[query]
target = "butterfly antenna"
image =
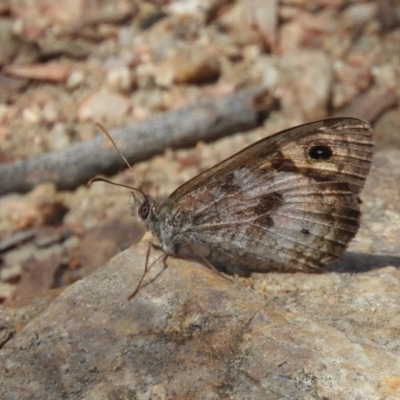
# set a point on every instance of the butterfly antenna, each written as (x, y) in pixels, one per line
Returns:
(105, 131)
(117, 184)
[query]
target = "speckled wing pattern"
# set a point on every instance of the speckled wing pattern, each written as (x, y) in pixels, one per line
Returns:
(288, 202)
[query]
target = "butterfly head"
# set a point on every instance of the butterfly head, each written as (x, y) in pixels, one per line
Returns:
(144, 207)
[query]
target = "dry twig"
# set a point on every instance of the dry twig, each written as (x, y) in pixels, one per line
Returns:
(206, 120)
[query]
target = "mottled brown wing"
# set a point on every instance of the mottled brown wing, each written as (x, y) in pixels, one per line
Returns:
(288, 202)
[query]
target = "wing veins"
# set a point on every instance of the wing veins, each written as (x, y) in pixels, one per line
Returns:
(250, 221)
(294, 241)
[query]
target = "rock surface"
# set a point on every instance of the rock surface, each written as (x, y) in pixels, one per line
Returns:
(193, 334)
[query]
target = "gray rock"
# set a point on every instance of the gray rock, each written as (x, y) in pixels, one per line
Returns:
(191, 334)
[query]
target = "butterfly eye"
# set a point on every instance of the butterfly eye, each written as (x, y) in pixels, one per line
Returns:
(144, 210)
(320, 152)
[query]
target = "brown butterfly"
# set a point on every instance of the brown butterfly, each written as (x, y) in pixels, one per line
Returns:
(288, 202)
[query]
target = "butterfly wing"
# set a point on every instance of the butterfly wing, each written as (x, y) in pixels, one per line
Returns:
(288, 202)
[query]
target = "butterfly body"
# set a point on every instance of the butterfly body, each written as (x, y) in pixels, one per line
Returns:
(288, 202)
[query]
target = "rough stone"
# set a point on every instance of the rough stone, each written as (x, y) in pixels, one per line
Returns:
(190, 333)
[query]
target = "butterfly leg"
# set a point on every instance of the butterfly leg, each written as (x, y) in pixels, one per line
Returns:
(165, 266)
(139, 285)
(212, 268)
(148, 267)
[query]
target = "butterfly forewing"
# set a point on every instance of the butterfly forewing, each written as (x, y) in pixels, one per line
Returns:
(288, 202)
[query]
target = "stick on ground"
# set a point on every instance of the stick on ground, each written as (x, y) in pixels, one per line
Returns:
(208, 119)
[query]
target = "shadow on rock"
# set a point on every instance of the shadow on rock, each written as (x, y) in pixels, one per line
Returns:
(353, 262)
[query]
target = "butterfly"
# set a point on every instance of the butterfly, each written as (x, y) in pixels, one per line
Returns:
(289, 202)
